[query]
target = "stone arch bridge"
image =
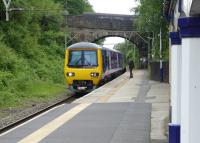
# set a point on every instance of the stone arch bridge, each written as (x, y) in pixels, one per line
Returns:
(94, 26)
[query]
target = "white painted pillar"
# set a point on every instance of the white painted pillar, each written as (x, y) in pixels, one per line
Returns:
(190, 85)
(179, 84)
(174, 126)
(175, 77)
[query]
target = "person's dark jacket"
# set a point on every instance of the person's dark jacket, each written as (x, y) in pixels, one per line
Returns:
(131, 64)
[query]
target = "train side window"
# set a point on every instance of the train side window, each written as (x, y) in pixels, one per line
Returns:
(107, 60)
(113, 60)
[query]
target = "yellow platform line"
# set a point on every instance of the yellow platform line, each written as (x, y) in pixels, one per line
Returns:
(53, 125)
(114, 89)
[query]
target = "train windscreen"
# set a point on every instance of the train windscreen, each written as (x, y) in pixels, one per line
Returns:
(83, 58)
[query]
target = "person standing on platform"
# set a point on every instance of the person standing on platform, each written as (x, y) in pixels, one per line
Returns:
(131, 66)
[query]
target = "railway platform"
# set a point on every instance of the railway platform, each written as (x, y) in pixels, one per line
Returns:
(124, 110)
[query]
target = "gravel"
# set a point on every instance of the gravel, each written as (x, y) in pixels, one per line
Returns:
(15, 115)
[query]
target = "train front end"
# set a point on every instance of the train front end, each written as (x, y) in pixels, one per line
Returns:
(83, 62)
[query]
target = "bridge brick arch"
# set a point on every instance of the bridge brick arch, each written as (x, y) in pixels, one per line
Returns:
(95, 35)
(94, 26)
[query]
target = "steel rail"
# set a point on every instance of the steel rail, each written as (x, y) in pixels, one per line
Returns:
(69, 99)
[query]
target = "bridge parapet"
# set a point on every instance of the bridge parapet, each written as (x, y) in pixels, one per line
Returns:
(101, 21)
(94, 26)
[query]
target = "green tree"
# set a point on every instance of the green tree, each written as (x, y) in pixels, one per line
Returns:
(76, 6)
(149, 19)
(32, 49)
(130, 51)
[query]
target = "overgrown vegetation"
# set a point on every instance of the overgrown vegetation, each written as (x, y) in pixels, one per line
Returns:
(130, 52)
(76, 6)
(32, 49)
(150, 19)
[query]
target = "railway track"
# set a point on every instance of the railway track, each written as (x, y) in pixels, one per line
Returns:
(27, 117)
(68, 100)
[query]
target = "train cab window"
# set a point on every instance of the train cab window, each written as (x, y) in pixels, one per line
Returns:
(83, 58)
(75, 58)
(90, 58)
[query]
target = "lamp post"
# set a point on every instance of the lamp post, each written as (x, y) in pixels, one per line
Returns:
(151, 53)
(161, 62)
(148, 56)
(134, 54)
(153, 50)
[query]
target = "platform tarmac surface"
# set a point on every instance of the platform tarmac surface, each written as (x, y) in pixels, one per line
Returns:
(98, 123)
(119, 112)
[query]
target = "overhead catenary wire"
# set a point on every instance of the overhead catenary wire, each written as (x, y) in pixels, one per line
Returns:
(7, 6)
(33, 9)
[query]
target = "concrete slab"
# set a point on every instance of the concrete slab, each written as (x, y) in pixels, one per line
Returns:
(159, 96)
(121, 89)
(138, 89)
(106, 123)
(22, 131)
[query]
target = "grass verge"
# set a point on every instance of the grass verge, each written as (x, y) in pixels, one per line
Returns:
(35, 92)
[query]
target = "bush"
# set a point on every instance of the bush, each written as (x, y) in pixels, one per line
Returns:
(32, 51)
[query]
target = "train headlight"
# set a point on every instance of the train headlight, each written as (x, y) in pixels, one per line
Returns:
(94, 74)
(70, 74)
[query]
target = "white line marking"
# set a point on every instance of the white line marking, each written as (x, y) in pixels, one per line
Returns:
(30, 120)
(47, 129)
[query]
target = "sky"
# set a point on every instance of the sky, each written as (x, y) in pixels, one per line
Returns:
(114, 7)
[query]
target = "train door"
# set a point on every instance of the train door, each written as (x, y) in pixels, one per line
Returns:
(104, 61)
